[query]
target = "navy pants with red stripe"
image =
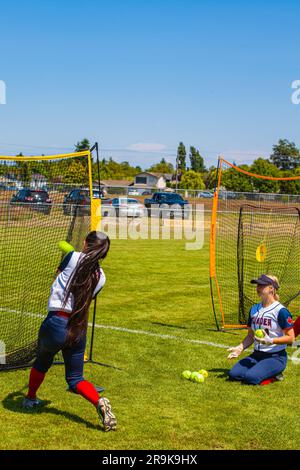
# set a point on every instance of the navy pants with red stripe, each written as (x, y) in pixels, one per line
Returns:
(51, 340)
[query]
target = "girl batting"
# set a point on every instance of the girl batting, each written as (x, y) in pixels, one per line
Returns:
(79, 279)
(269, 358)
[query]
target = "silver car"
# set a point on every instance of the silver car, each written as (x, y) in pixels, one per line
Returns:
(122, 207)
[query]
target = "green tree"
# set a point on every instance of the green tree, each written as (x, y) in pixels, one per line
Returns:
(105, 174)
(260, 166)
(290, 186)
(191, 180)
(210, 178)
(233, 180)
(162, 167)
(76, 173)
(4, 168)
(84, 144)
(110, 169)
(197, 162)
(49, 169)
(181, 157)
(24, 170)
(285, 155)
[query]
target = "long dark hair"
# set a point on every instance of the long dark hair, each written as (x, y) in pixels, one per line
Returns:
(83, 282)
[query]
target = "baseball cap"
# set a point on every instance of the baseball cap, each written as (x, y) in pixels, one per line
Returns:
(265, 280)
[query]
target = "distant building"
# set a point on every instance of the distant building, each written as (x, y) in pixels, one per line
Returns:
(114, 183)
(148, 179)
(109, 187)
(38, 181)
(142, 181)
(8, 182)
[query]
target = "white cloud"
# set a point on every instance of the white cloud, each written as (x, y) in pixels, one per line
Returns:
(146, 147)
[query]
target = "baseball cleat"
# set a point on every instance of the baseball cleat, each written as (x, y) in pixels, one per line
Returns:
(106, 415)
(30, 404)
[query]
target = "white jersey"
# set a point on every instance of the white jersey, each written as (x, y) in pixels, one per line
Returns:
(273, 319)
(67, 267)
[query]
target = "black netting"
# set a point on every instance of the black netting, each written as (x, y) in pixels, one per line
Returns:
(252, 233)
(268, 242)
(29, 255)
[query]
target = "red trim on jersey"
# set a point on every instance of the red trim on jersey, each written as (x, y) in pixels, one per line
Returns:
(63, 314)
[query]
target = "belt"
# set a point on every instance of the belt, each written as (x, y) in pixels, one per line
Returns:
(63, 314)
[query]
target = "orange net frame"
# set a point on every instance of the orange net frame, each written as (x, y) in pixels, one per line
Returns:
(252, 233)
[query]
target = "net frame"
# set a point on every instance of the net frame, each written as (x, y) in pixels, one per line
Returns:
(215, 287)
(256, 230)
(95, 218)
(62, 156)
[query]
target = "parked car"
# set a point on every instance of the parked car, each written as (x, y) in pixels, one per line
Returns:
(252, 196)
(79, 200)
(148, 192)
(232, 195)
(133, 192)
(205, 194)
(8, 187)
(122, 207)
(38, 200)
(169, 204)
(98, 194)
(228, 195)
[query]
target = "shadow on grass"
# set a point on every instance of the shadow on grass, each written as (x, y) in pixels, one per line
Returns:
(227, 332)
(168, 325)
(13, 402)
(220, 373)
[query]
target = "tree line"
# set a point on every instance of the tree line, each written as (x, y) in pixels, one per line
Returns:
(284, 161)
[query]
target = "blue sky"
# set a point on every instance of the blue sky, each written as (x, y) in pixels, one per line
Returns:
(140, 76)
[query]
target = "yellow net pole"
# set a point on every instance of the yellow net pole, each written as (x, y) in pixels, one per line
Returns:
(95, 203)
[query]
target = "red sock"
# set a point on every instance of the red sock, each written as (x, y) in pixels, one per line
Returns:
(297, 327)
(268, 381)
(35, 380)
(88, 391)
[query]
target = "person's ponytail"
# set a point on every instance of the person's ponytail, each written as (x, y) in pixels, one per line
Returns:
(83, 282)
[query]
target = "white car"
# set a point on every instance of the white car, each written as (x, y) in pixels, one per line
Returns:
(133, 192)
(123, 207)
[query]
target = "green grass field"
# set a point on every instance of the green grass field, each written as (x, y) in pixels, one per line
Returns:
(159, 288)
